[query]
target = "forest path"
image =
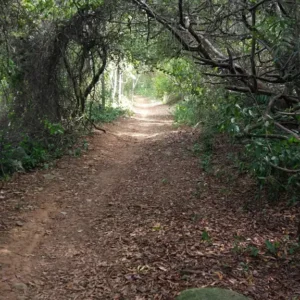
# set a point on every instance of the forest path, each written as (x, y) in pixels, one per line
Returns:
(133, 218)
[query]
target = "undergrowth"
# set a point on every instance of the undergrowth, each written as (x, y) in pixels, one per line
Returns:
(107, 115)
(215, 112)
(29, 152)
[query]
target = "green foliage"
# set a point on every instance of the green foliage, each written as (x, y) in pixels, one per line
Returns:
(43, 97)
(196, 149)
(177, 77)
(187, 112)
(165, 181)
(170, 79)
(48, 9)
(264, 154)
(26, 155)
(107, 115)
(205, 236)
(272, 248)
(145, 85)
(206, 162)
(163, 85)
(236, 115)
(54, 128)
(294, 248)
(201, 106)
(280, 248)
(245, 266)
(240, 115)
(29, 152)
(253, 251)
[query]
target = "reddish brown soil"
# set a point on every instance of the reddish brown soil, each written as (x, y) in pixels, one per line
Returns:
(136, 217)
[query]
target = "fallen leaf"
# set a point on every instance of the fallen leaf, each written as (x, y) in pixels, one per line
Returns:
(220, 275)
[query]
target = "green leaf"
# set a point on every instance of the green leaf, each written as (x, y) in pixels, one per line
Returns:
(271, 247)
(205, 236)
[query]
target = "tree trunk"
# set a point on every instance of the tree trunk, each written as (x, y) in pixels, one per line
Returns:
(115, 83)
(103, 91)
(120, 78)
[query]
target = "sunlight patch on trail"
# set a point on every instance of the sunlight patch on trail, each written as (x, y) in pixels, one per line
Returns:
(143, 108)
(148, 105)
(151, 117)
(158, 123)
(143, 135)
(153, 121)
(5, 251)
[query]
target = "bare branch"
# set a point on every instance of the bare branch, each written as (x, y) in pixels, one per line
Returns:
(295, 135)
(283, 169)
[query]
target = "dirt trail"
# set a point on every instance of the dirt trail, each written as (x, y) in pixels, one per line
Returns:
(77, 201)
(125, 221)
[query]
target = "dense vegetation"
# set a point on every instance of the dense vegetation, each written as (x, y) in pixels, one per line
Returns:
(53, 56)
(233, 65)
(248, 55)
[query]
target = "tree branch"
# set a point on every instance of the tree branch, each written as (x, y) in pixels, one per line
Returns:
(180, 8)
(295, 135)
(283, 169)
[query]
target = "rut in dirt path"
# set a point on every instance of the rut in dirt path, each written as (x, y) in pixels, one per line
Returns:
(136, 218)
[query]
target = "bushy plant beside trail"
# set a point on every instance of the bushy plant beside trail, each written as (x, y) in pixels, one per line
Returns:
(108, 114)
(274, 158)
(274, 161)
(28, 152)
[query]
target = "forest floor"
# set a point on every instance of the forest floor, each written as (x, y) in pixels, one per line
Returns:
(137, 217)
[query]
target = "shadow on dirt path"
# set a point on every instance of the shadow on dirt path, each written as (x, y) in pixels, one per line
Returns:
(126, 221)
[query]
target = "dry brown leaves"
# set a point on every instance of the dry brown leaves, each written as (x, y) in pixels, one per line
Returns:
(137, 218)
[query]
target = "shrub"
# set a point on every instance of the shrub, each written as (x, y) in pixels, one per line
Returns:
(99, 115)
